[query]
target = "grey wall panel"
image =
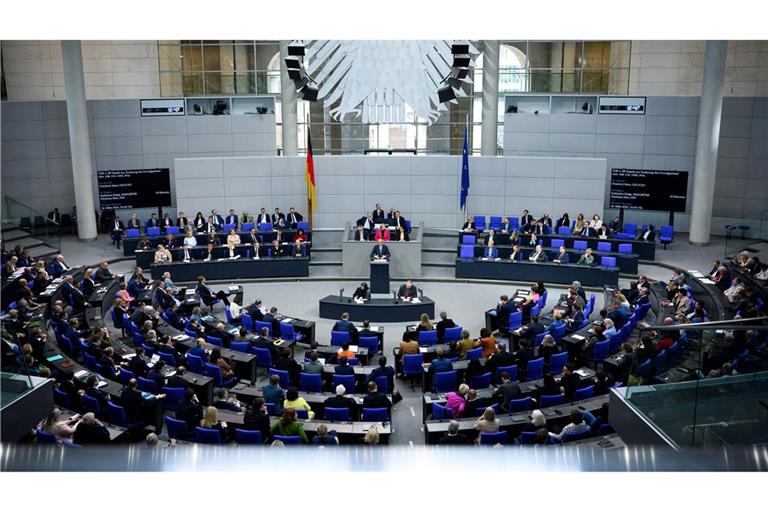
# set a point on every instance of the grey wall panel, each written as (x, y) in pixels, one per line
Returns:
(531, 187)
(251, 204)
(24, 169)
(32, 187)
(397, 201)
(581, 168)
(729, 187)
(527, 142)
(203, 187)
(23, 149)
(621, 125)
(111, 109)
(733, 147)
(340, 184)
(486, 186)
(163, 125)
(572, 142)
(442, 166)
(284, 200)
(61, 186)
(341, 204)
(572, 123)
(385, 185)
(22, 130)
(530, 166)
(21, 111)
(54, 110)
(291, 166)
(586, 206)
(578, 188)
(210, 143)
(758, 169)
(739, 127)
(619, 144)
(124, 127)
(57, 148)
(760, 108)
(732, 167)
(196, 168)
(197, 125)
(446, 186)
(483, 166)
(254, 124)
(56, 129)
(162, 161)
(738, 106)
(233, 167)
(759, 149)
(384, 166)
(164, 144)
(327, 166)
(104, 163)
(515, 204)
(672, 106)
(116, 146)
(253, 142)
(669, 125)
(424, 203)
(669, 145)
(759, 127)
(247, 186)
(753, 207)
(527, 123)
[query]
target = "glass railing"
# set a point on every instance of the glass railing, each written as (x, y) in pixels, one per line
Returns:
(15, 378)
(745, 232)
(38, 225)
(703, 385)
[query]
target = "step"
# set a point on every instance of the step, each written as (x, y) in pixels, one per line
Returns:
(440, 241)
(42, 251)
(28, 242)
(14, 234)
(334, 263)
(325, 249)
(323, 257)
(448, 258)
(439, 272)
(439, 264)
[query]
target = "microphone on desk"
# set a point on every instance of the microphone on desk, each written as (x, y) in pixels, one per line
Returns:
(394, 296)
(421, 293)
(341, 292)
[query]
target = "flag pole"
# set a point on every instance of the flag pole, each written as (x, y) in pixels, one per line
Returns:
(309, 194)
(466, 134)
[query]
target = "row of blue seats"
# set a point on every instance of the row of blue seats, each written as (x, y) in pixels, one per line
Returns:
(556, 243)
(226, 228)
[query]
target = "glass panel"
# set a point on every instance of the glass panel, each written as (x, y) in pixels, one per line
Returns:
(193, 84)
(214, 83)
(597, 54)
(192, 58)
(35, 222)
(596, 80)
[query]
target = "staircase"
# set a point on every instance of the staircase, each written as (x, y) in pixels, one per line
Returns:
(21, 225)
(438, 253)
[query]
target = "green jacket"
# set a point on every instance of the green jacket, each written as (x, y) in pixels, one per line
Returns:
(293, 429)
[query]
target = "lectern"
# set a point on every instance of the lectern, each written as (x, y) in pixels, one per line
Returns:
(379, 276)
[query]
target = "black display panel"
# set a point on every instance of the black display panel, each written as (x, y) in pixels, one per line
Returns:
(134, 188)
(641, 189)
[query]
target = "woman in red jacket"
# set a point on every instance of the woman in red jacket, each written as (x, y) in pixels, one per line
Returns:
(382, 233)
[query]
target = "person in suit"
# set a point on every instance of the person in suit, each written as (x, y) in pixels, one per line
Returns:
(508, 390)
(166, 222)
(118, 228)
(343, 368)
(649, 235)
(407, 291)
(224, 403)
(271, 317)
(79, 300)
(277, 250)
(382, 233)
(93, 391)
(176, 380)
(257, 418)
(376, 399)
(384, 370)
(526, 219)
(344, 325)
(199, 223)
(454, 436)
(153, 221)
(439, 365)
(538, 255)
(562, 256)
(207, 295)
(569, 381)
(263, 217)
(564, 221)
(587, 258)
(516, 254)
(380, 251)
(232, 218)
(399, 222)
(189, 410)
(443, 324)
(546, 222)
(132, 401)
(366, 225)
(490, 252)
(577, 318)
(366, 331)
(181, 221)
(469, 226)
(533, 329)
(339, 401)
(217, 219)
(378, 214)
(503, 310)
(293, 218)
(506, 226)
(524, 354)
(137, 283)
(88, 284)
(274, 394)
(362, 292)
(134, 222)
(90, 431)
(58, 266)
(255, 310)
(137, 365)
(314, 366)
(156, 374)
(54, 216)
(277, 217)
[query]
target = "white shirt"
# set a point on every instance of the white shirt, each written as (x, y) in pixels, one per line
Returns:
(190, 241)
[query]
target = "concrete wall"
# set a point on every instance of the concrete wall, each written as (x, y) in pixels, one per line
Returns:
(424, 188)
(664, 138)
(36, 162)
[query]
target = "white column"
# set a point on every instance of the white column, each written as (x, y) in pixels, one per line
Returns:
(489, 125)
(79, 139)
(707, 142)
(288, 102)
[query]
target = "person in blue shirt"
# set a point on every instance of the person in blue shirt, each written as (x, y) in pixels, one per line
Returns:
(198, 350)
(562, 256)
(137, 283)
(343, 368)
(274, 394)
(344, 325)
(491, 252)
(440, 364)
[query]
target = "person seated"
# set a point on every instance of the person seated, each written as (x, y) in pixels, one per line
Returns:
(439, 365)
(277, 249)
(339, 401)
(576, 426)
(273, 393)
(216, 359)
(516, 254)
(649, 234)
(587, 258)
(524, 354)
(380, 251)
(382, 233)
(408, 346)
(466, 344)
(538, 256)
(144, 244)
(454, 436)
(162, 255)
(375, 399)
(508, 390)
(488, 422)
(407, 291)
(211, 421)
(562, 256)
(207, 296)
(294, 401)
(383, 370)
(469, 226)
(378, 215)
(362, 293)
(233, 240)
(344, 325)
(90, 431)
(490, 252)
(343, 368)
(224, 403)
(578, 228)
(488, 342)
(289, 425)
(548, 348)
(344, 351)
(325, 437)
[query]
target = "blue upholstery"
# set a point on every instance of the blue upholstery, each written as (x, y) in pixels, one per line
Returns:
(427, 338)
(288, 332)
(260, 325)
(440, 412)
(493, 438)
(520, 405)
(348, 381)
(44, 437)
(215, 340)
(600, 351)
(563, 230)
(378, 414)
(445, 382)
(511, 370)
(207, 435)
(263, 357)
(412, 364)
(177, 429)
(625, 248)
(248, 436)
(556, 243)
(132, 233)
(195, 363)
(475, 353)
(534, 369)
(90, 404)
(155, 231)
(453, 334)
(481, 381)
(240, 346)
(311, 382)
(369, 342)
(172, 230)
(303, 225)
(247, 226)
(61, 398)
(495, 223)
(337, 414)
(468, 239)
(284, 376)
(584, 393)
(556, 363)
(227, 227)
(467, 251)
(480, 222)
(214, 372)
(515, 320)
(604, 246)
(608, 261)
(551, 400)
(173, 396)
(580, 245)
(339, 337)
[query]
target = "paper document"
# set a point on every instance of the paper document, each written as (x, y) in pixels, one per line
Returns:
(354, 348)
(578, 337)
(287, 320)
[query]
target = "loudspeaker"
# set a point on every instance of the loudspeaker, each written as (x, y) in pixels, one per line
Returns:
(294, 74)
(309, 92)
(459, 73)
(297, 50)
(292, 63)
(454, 82)
(446, 93)
(461, 61)
(460, 47)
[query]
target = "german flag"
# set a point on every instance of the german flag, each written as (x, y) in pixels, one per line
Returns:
(309, 177)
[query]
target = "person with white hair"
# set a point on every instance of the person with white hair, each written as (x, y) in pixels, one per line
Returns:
(454, 436)
(325, 437)
(610, 328)
(339, 401)
(91, 431)
(488, 422)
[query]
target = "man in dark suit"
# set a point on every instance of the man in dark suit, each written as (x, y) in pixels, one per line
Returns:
(407, 291)
(293, 218)
(508, 390)
(207, 295)
(153, 222)
(55, 216)
(569, 381)
(134, 222)
(277, 216)
(223, 403)
(132, 401)
(58, 266)
(503, 310)
(218, 220)
(232, 218)
(166, 221)
(163, 298)
(380, 251)
(344, 325)
(500, 359)
(254, 311)
(277, 249)
(366, 331)
(190, 410)
(526, 219)
(263, 217)
(562, 256)
(257, 418)
(442, 325)
(339, 401)
(343, 368)
(103, 273)
(90, 431)
(384, 370)
(78, 298)
(93, 391)
(156, 374)
(399, 222)
(271, 317)
(87, 285)
(368, 225)
(533, 329)
(177, 380)
(378, 215)
(375, 399)
(118, 228)
(524, 355)
(137, 365)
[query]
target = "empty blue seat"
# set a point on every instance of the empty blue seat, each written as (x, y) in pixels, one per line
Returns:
(383, 383)
(511, 370)
(494, 222)
(445, 382)
(369, 342)
(195, 363)
(604, 246)
(311, 382)
(263, 357)
(172, 230)
(132, 233)
(240, 346)
(116, 414)
(481, 381)
(247, 226)
(666, 234)
(551, 400)
(377, 414)
(584, 393)
(534, 369)
(248, 436)
(348, 381)
(303, 225)
(177, 429)
(625, 248)
(339, 337)
(412, 364)
(468, 239)
(556, 243)
(337, 414)
(600, 350)
(154, 231)
(515, 320)
(61, 399)
(167, 358)
(207, 435)
(227, 227)
(608, 261)
(475, 353)
(480, 222)
(288, 332)
(467, 251)
(556, 363)
(520, 404)
(427, 338)
(580, 245)
(147, 385)
(453, 334)
(215, 340)
(260, 325)
(493, 438)
(173, 397)
(563, 230)
(302, 414)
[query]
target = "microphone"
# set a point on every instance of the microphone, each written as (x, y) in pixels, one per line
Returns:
(341, 292)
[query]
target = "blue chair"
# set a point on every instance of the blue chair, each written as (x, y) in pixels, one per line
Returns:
(520, 404)
(173, 397)
(260, 325)
(494, 223)
(445, 382)
(177, 429)
(556, 363)
(214, 372)
(468, 239)
(440, 412)
(383, 384)
(90, 404)
(514, 223)
(227, 227)
(247, 321)
(475, 353)
(493, 438)
(302, 414)
(265, 226)
(167, 358)
(263, 357)
(153, 231)
(148, 351)
(339, 337)
(284, 376)
(192, 334)
(172, 230)
(625, 248)
(288, 332)
(215, 340)
(44, 437)
(604, 246)
(600, 351)
(511, 370)
(551, 400)
(138, 338)
(453, 334)
(563, 230)
(378, 414)
(412, 365)
(661, 361)
(467, 252)
(271, 408)
(608, 261)
(116, 414)
(147, 385)
(248, 436)
(132, 233)
(559, 332)
(480, 222)
(247, 226)
(90, 361)
(481, 381)
(337, 414)
(311, 382)
(534, 369)
(207, 435)
(303, 225)
(195, 363)
(427, 338)
(526, 437)
(556, 243)
(288, 439)
(348, 381)
(666, 235)
(369, 342)
(629, 232)
(580, 245)
(614, 343)
(584, 393)
(515, 320)
(240, 346)
(61, 399)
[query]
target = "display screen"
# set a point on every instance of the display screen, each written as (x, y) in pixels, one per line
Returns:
(641, 189)
(134, 188)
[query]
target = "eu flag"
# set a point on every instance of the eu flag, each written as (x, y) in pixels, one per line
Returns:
(464, 174)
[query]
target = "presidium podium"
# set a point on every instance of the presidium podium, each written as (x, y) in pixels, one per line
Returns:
(380, 276)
